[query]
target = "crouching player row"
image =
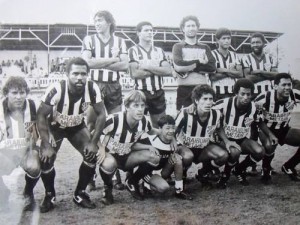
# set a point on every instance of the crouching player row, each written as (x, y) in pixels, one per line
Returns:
(276, 107)
(196, 126)
(18, 135)
(171, 160)
(239, 112)
(131, 143)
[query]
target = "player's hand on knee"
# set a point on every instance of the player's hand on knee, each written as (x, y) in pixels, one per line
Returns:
(174, 158)
(100, 155)
(232, 144)
(47, 154)
(90, 151)
(273, 139)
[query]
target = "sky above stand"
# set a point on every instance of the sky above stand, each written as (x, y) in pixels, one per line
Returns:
(259, 15)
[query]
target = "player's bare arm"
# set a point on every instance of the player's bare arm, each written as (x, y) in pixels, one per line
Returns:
(47, 151)
(137, 73)
(228, 144)
(91, 148)
(140, 146)
(99, 63)
(264, 128)
(121, 65)
(252, 77)
(163, 70)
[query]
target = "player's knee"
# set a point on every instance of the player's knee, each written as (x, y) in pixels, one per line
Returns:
(258, 153)
(31, 164)
(153, 160)
(159, 184)
(234, 156)
(187, 157)
(221, 157)
(109, 165)
(162, 188)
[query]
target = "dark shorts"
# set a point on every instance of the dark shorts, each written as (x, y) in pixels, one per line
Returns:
(121, 160)
(281, 134)
(184, 96)
(239, 141)
(196, 153)
(111, 94)
(162, 163)
(60, 133)
(155, 101)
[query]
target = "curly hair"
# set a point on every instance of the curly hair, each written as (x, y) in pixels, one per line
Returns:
(244, 83)
(16, 82)
(200, 90)
(187, 18)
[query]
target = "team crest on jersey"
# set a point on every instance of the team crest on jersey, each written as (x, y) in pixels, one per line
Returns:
(210, 129)
(29, 126)
(289, 105)
(84, 106)
(248, 121)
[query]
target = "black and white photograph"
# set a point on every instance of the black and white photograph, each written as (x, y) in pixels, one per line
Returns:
(132, 112)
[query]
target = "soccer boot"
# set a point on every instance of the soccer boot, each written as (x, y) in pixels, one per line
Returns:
(291, 172)
(241, 176)
(134, 190)
(222, 182)
(183, 195)
(83, 200)
(48, 202)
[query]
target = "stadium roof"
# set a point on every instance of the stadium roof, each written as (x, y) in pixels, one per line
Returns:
(70, 36)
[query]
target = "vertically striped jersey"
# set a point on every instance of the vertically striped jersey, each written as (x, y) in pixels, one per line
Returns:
(15, 134)
(236, 124)
(122, 136)
(155, 56)
(193, 133)
(266, 63)
(68, 110)
(277, 114)
(225, 85)
(99, 49)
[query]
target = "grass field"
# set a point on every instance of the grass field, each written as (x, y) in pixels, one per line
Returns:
(278, 203)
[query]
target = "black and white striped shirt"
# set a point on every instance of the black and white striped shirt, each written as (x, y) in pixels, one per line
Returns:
(225, 85)
(99, 49)
(121, 136)
(277, 114)
(266, 63)
(69, 111)
(236, 124)
(193, 133)
(155, 56)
